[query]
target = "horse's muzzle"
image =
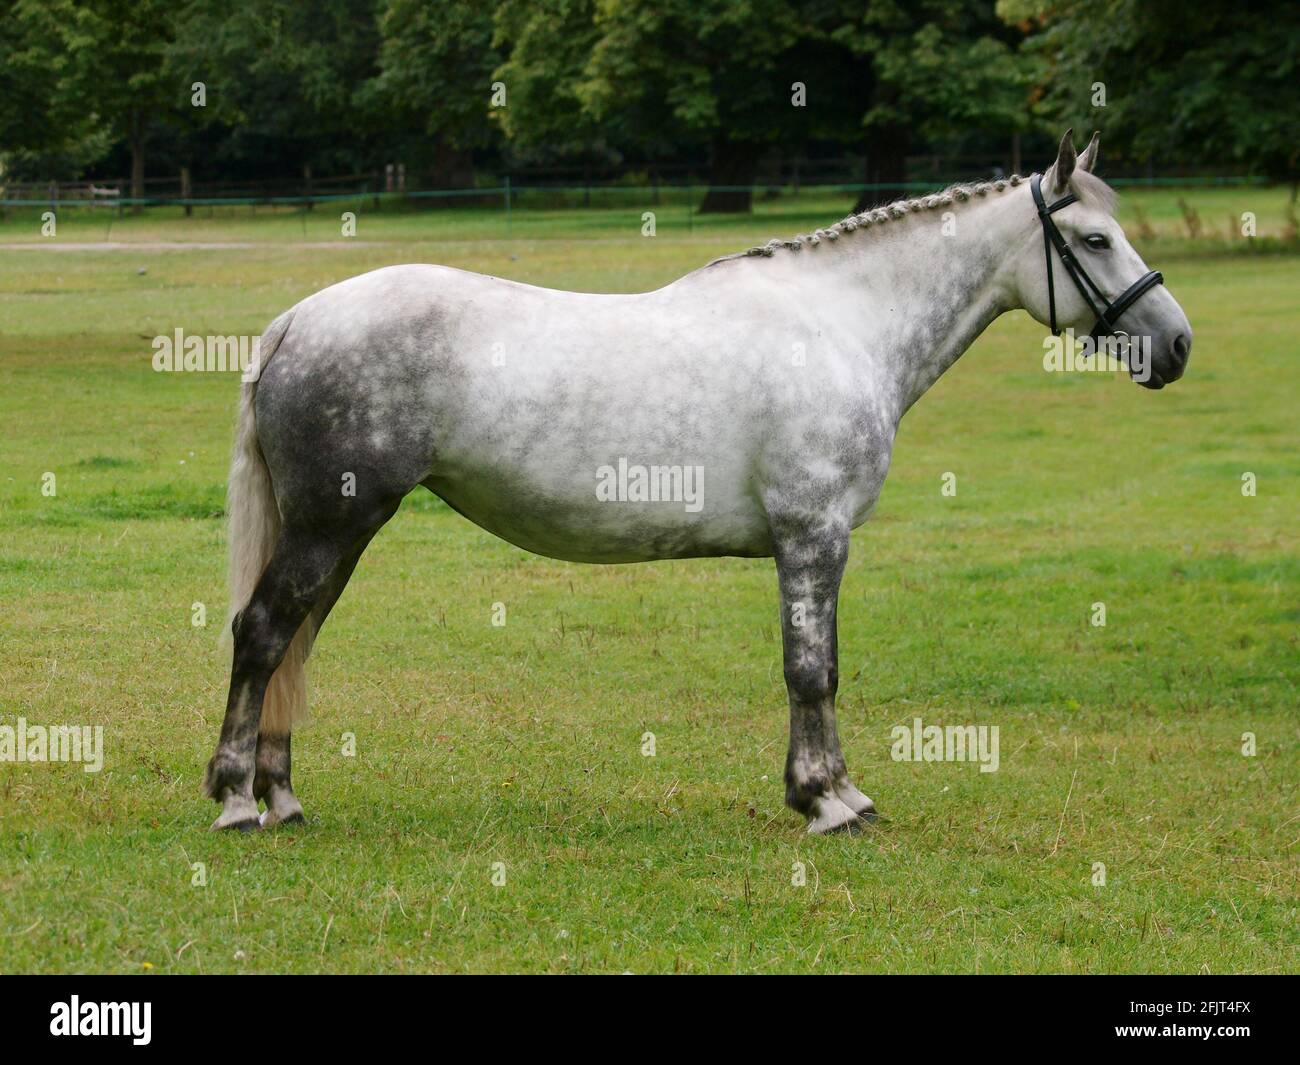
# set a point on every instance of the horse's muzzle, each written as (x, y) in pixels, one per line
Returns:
(1170, 368)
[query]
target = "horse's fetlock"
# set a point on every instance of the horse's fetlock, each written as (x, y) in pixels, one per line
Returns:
(268, 777)
(226, 774)
(803, 790)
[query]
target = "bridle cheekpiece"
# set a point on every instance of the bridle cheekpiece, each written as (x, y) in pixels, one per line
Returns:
(1108, 313)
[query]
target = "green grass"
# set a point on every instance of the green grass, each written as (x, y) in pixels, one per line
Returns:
(522, 744)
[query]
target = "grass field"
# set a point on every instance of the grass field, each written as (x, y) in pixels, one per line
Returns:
(522, 744)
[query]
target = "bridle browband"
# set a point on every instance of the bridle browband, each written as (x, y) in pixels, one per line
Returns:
(1108, 313)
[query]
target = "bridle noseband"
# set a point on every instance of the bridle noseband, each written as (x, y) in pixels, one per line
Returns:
(1108, 313)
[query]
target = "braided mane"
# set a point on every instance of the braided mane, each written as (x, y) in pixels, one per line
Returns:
(958, 193)
(1088, 186)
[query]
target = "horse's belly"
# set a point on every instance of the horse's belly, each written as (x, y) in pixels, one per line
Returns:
(612, 521)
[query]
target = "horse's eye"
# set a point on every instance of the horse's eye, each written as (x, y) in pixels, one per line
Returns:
(1096, 240)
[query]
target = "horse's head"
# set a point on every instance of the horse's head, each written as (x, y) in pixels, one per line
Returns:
(1079, 272)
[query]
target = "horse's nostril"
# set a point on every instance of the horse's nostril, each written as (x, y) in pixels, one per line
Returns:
(1182, 347)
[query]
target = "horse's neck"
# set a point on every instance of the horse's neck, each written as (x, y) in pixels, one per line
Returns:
(927, 292)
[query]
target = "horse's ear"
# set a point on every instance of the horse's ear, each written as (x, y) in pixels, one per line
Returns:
(1088, 160)
(1058, 174)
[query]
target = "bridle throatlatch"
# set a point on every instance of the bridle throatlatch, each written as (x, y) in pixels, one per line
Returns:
(1108, 313)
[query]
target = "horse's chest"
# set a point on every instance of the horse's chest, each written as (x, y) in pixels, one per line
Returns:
(871, 465)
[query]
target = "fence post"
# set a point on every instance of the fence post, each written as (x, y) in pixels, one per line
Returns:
(508, 221)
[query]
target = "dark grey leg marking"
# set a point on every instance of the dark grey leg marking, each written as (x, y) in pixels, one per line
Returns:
(271, 781)
(272, 778)
(306, 573)
(810, 563)
(293, 582)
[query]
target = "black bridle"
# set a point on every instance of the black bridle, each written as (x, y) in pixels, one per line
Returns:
(1108, 313)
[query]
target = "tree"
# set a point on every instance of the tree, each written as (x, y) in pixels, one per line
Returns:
(96, 65)
(717, 71)
(654, 78)
(40, 131)
(285, 81)
(930, 68)
(546, 45)
(436, 67)
(1204, 84)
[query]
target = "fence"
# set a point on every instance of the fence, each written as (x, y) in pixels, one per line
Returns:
(510, 195)
(573, 186)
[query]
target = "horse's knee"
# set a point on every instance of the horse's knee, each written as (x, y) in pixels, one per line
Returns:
(812, 682)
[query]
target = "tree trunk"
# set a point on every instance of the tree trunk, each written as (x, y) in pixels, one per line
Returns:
(453, 167)
(731, 177)
(137, 162)
(886, 167)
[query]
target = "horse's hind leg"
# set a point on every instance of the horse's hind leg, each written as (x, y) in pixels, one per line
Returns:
(306, 573)
(293, 582)
(272, 782)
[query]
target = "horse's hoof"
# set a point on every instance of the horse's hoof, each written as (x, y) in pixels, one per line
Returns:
(831, 816)
(247, 825)
(282, 807)
(854, 799)
(270, 819)
(239, 813)
(865, 820)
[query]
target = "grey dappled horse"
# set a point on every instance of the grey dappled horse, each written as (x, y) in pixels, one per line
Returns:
(780, 373)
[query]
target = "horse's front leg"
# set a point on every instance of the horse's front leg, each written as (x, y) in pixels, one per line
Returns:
(809, 563)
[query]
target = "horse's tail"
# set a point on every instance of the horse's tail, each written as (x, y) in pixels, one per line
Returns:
(254, 525)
